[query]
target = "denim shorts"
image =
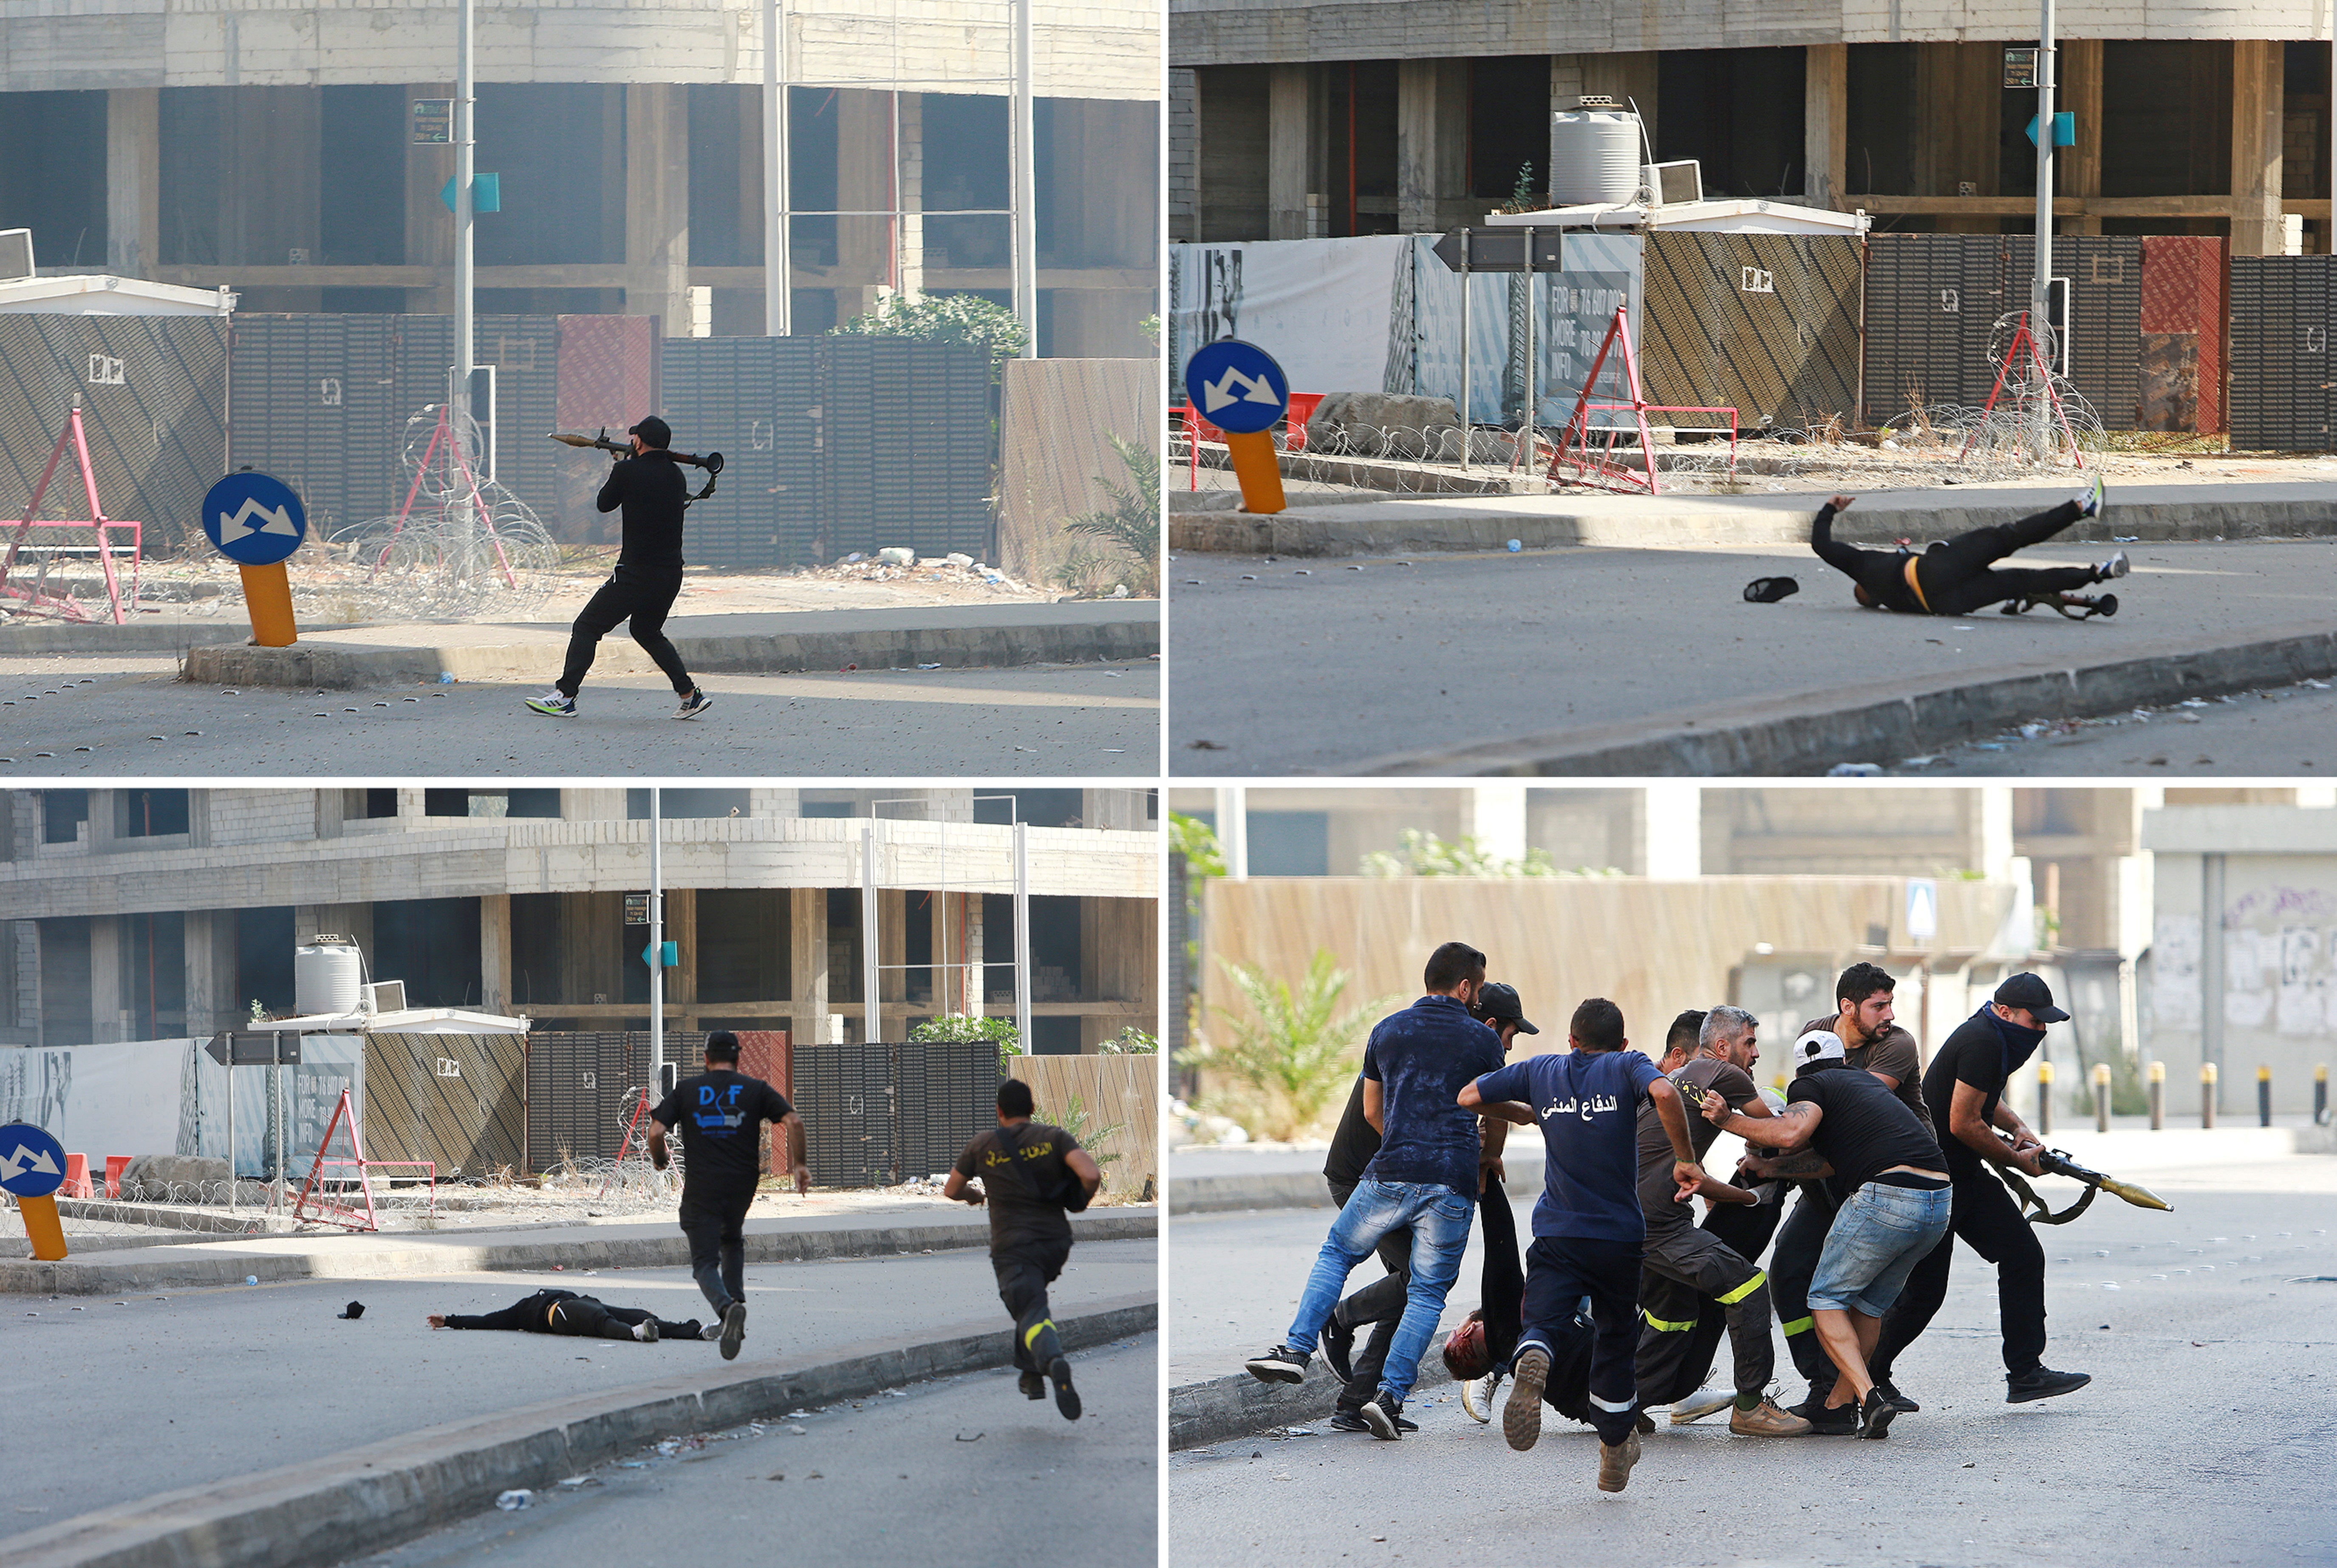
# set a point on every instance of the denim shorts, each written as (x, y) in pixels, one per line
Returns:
(1875, 1242)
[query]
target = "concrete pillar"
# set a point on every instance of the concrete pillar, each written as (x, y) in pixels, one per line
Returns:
(1432, 145)
(495, 953)
(134, 180)
(591, 930)
(2079, 94)
(20, 971)
(1295, 148)
(681, 929)
(1113, 809)
(271, 182)
(1494, 815)
(1184, 157)
(657, 203)
(332, 809)
(864, 183)
(109, 1010)
(892, 951)
(1826, 123)
(1673, 844)
(1629, 77)
(911, 163)
(210, 943)
(1119, 962)
(976, 988)
(1958, 89)
(808, 965)
(1993, 830)
(2257, 79)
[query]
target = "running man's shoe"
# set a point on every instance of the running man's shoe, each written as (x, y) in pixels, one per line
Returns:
(1279, 1365)
(1034, 1386)
(556, 702)
(645, 1331)
(1521, 1417)
(1067, 1398)
(1615, 1462)
(1697, 1406)
(712, 1331)
(1337, 1345)
(692, 705)
(1765, 1420)
(1477, 1396)
(2091, 506)
(2116, 565)
(2041, 1383)
(734, 1330)
(1384, 1413)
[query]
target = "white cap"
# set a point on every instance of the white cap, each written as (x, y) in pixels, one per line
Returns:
(1818, 1045)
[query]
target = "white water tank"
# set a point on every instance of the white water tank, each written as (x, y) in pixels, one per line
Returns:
(1594, 155)
(326, 975)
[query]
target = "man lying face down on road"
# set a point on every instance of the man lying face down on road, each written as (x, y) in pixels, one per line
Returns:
(578, 1317)
(1958, 576)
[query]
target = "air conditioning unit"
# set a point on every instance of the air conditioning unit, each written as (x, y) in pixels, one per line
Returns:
(383, 996)
(1673, 183)
(16, 253)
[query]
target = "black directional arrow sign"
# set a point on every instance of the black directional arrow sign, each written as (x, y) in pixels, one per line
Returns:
(1500, 249)
(254, 1050)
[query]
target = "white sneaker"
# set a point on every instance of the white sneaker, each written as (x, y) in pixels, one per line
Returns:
(1477, 1396)
(555, 703)
(2091, 506)
(1703, 1403)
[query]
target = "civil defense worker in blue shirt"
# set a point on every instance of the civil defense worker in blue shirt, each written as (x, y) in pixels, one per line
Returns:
(1424, 1177)
(1588, 1230)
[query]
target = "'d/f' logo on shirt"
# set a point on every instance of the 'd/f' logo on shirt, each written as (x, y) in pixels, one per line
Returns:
(717, 1112)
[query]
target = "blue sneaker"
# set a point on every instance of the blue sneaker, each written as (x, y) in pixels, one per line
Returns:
(692, 705)
(2091, 506)
(555, 703)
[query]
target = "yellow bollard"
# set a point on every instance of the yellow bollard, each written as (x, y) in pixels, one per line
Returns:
(46, 1231)
(268, 595)
(2044, 1098)
(2101, 1096)
(2206, 1094)
(1258, 468)
(2157, 1097)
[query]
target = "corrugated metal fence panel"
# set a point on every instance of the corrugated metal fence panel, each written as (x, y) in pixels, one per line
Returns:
(1767, 324)
(525, 352)
(845, 1093)
(1917, 347)
(579, 1085)
(452, 1099)
(948, 1092)
(907, 445)
(755, 401)
(2105, 274)
(157, 435)
(2281, 374)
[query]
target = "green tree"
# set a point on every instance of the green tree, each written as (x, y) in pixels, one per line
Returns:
(963, 1026)
(1131, 520)
(1287, 1056)
(1426, 855)
(966, 318)
(1131, 1042)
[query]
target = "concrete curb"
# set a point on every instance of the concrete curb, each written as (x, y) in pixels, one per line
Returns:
(1216, 1194)
(107, 1275)
(1810, 733)
(138, 637)
(370, 1498)
(348, 667)
(1223, 1408)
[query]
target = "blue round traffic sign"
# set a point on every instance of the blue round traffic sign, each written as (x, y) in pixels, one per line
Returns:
(1236, 385)
(31, 1162)
(255, 519)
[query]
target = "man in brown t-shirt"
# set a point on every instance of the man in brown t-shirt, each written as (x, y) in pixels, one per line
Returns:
(1684, 1264)
(1865, 1021)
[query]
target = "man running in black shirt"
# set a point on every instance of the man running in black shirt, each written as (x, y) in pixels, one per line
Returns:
(651, 489)
(1965, 1090)
(720, 1112)
(1958, 576)
(1033, 1176)
(579, 1317)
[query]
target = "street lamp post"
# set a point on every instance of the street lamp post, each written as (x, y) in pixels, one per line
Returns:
(777, 316)
(2040, 287)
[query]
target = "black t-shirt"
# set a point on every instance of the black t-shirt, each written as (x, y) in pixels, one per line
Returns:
(1023, 1178)
(1354, 1144)
(1982, 1052)
(718, 1115)
(1862, 1127)
(651, 491)
(1656, 1188)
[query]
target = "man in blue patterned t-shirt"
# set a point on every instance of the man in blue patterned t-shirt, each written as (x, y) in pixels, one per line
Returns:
(1424, 1177)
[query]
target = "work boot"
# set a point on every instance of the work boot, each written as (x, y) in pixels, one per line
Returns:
(1765, 1420)
(1643, 1422)
(1034, 1386)
(1615, 1462)
(1522, 1416)
(1067, 1398)
(1697, 1406)
(2041, 1383)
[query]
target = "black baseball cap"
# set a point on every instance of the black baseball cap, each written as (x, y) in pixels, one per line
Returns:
(2030, 992)
(1497, 1002)
(653, 431)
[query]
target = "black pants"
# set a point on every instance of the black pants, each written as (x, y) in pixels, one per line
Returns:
(715, 1224)
(1791, 1268)
(1502, 1289)
(642, 594)
(1023, 1275)
(1698, 1282)
(579, 1316)
(1990, 1221)
(1559, 1271)
(1958, 576)
(1379, 1304)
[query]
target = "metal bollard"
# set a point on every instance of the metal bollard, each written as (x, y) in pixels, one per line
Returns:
(2044, 1099)
(2207, 1095)
(2321, 1095)
(2157, 1097)
(2101, 1096)
(2264, 1096)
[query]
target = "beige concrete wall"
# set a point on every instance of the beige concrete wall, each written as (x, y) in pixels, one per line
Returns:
(1121, 1092)
(1057, 419)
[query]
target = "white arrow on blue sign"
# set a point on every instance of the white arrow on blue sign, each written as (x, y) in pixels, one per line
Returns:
(31, 1162)
(1236, 385)
(255, 519)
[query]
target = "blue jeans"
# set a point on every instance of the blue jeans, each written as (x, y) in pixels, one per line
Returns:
(1875, 1242)
(1439, 1218)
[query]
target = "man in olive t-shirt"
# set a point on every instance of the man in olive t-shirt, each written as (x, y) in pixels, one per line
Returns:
(1031, 1172)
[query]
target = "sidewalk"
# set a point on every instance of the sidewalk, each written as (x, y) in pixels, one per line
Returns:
(647, 1244)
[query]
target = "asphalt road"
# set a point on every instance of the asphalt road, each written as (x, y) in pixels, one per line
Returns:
(2288, 730)
(962, 1470)
(172, 1391)
(1315, 667)
(112, 716)
(2203, 1438)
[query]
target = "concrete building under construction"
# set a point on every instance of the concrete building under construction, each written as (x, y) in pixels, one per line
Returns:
(1296, 119)
(276, 148)
(143, 913)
